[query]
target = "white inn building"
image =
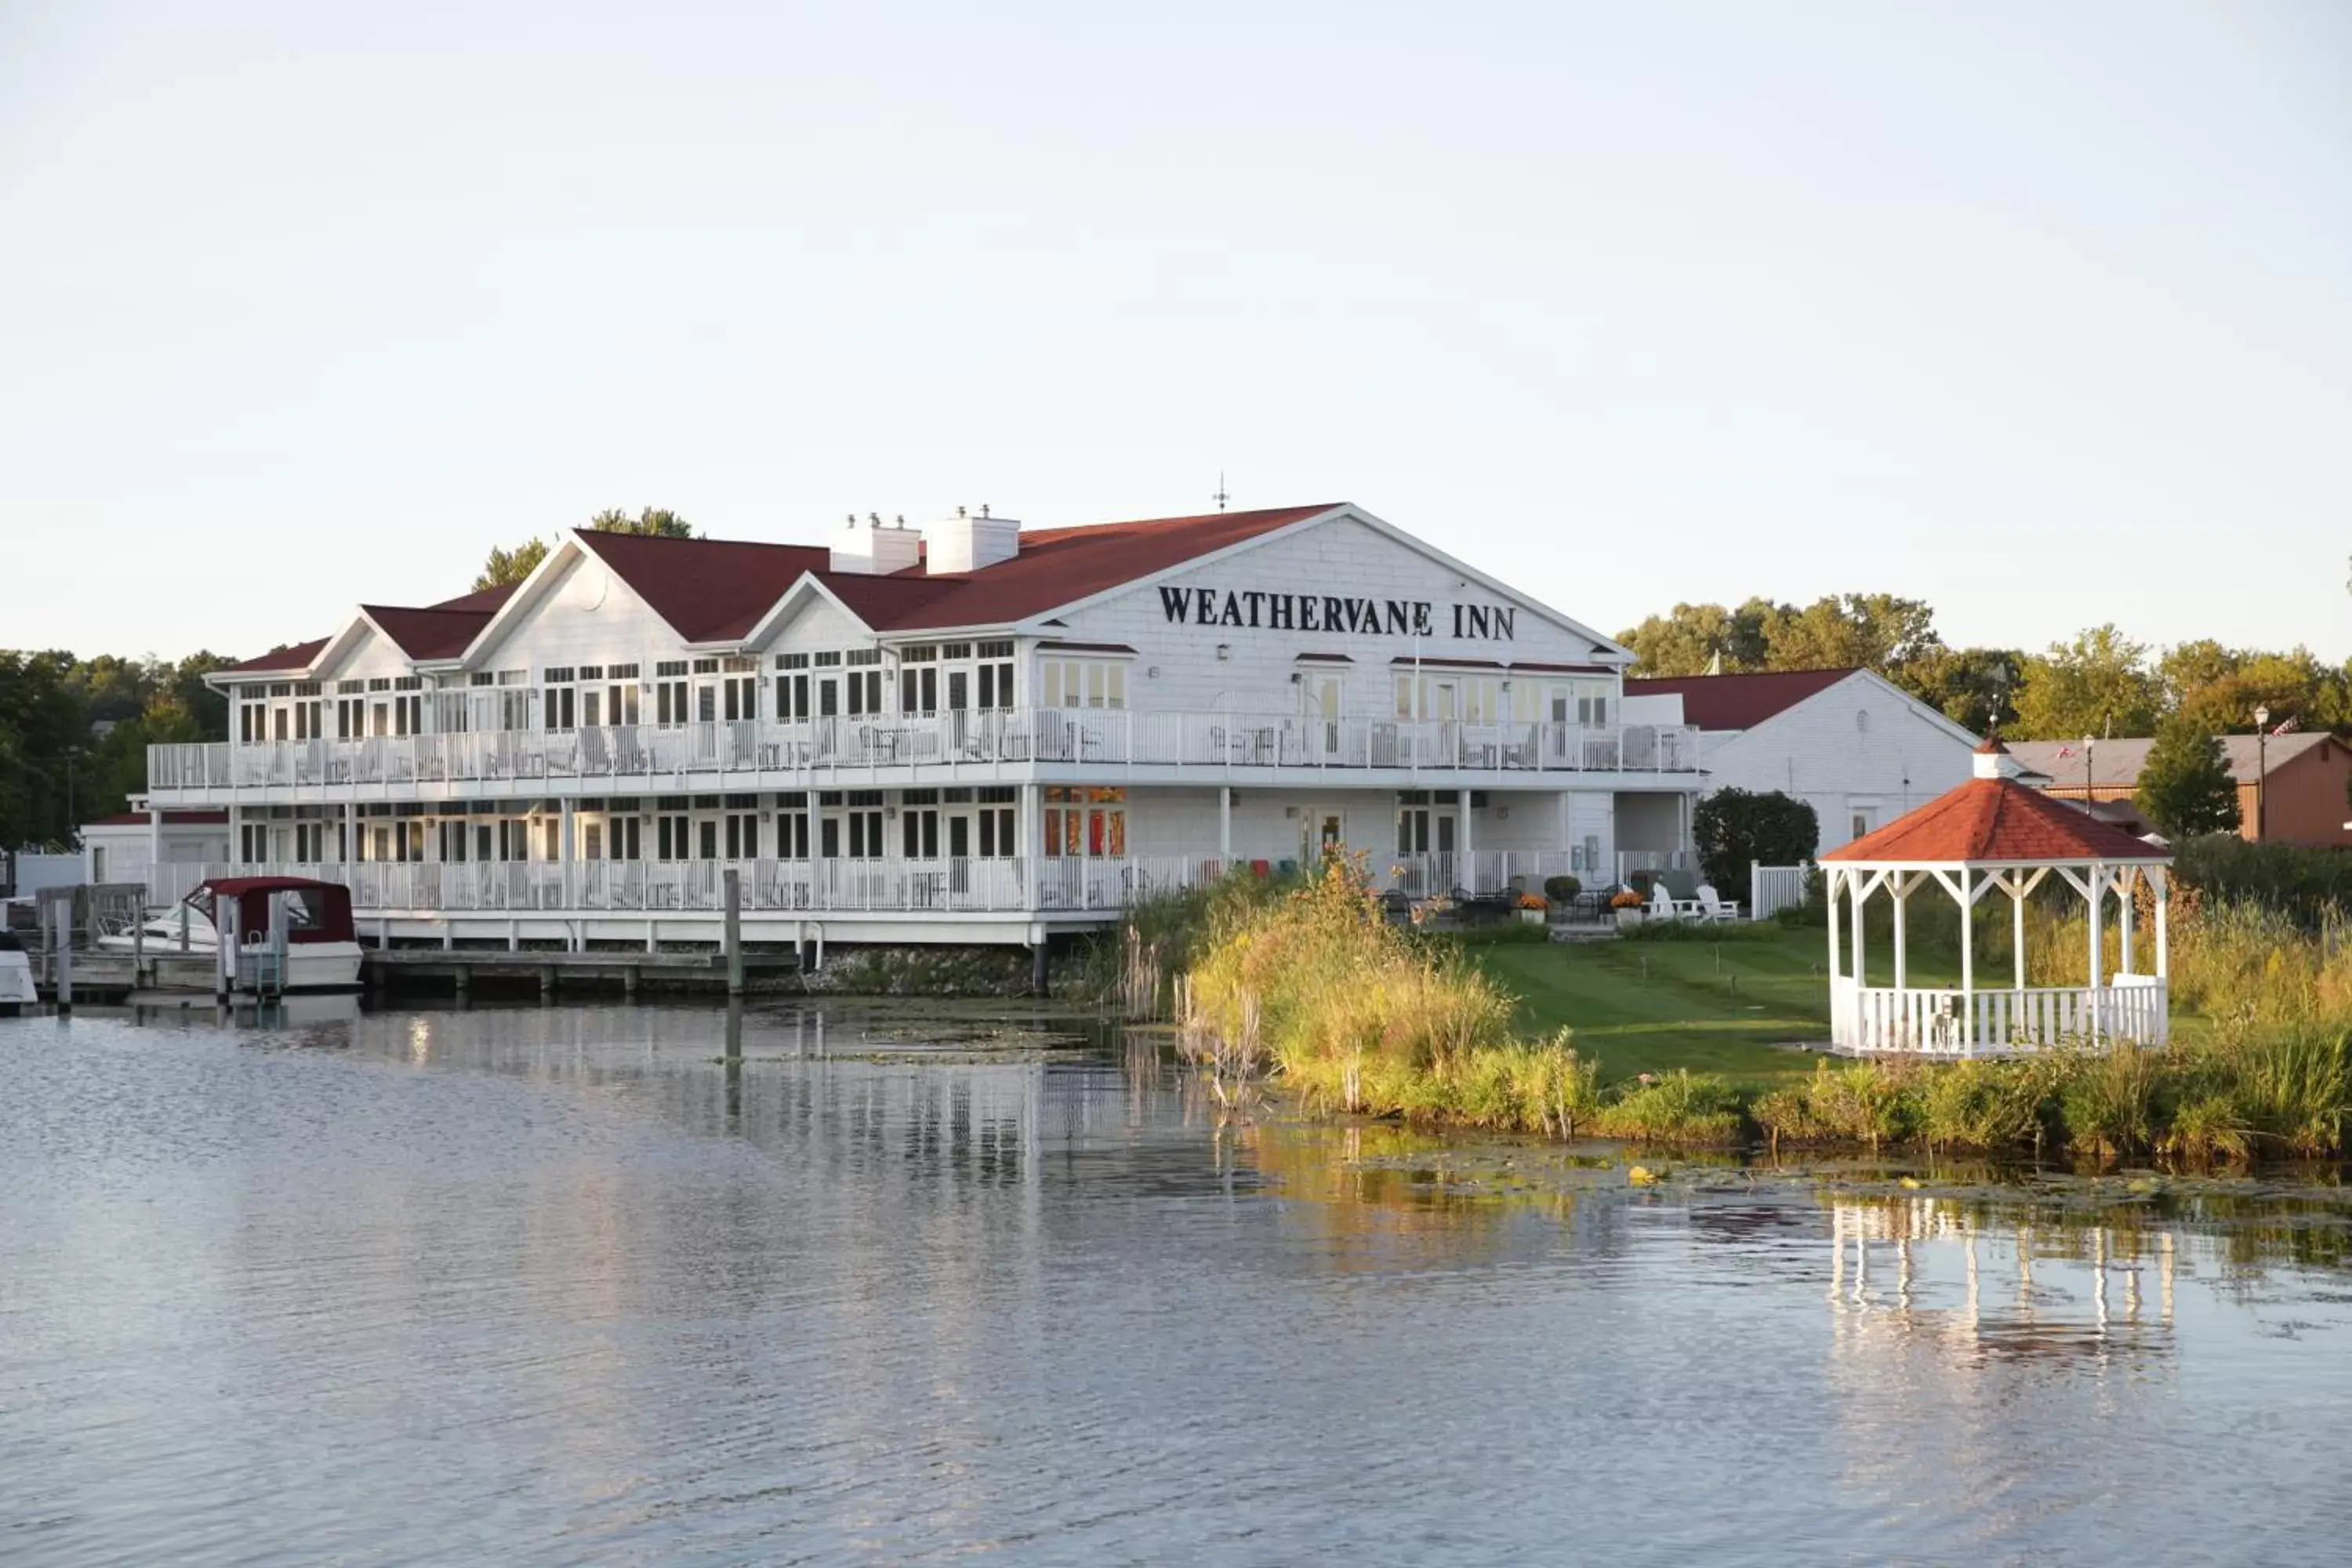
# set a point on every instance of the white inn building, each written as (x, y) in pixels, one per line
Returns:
(966, 732)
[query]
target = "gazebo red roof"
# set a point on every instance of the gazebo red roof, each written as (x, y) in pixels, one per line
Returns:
(1996, 820)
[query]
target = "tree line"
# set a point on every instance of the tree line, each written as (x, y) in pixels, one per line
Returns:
(2098, 683)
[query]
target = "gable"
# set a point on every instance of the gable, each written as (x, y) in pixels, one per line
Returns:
(579, 611)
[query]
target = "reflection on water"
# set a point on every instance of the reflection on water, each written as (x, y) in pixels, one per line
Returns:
(616, 1284)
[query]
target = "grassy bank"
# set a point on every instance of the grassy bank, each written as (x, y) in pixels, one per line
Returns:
(1685, 1041)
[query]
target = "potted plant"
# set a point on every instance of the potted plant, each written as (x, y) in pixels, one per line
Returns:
(1629, 906)
(1533, 909)
(1561, 892)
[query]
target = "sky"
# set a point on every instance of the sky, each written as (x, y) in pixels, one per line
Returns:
(2040, 313)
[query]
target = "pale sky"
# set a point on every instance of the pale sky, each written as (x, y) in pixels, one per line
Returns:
(2041, 313)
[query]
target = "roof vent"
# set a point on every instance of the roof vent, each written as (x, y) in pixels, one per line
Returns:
(876, 549)
(967, 543)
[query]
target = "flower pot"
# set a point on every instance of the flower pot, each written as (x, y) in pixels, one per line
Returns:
(1628, 917)
(1531, 917)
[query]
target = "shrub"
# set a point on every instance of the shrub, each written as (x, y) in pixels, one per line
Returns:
(1869, 1102)
(2107, 1099)
(1559, 889)
(1680, 1107)
(2185, 787)
(1983, 1105)
(1734, 828)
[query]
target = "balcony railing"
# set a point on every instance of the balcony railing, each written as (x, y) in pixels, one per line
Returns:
(648, 755)
(1063, 884)
(1943, 1022)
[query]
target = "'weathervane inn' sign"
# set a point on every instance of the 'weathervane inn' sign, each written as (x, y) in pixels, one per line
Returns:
(1332, 613)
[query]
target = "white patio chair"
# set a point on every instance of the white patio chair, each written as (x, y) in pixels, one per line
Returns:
(1711, 908)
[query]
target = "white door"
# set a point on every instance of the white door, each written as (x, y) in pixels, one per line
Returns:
(1323, 831)
(1322, 696)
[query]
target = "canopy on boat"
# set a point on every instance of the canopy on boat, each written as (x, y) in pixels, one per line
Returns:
(315, 911)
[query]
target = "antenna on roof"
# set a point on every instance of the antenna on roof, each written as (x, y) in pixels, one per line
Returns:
(853, 520)
(1221, 497)
(983, 508)
(874, 518)
(959, 511)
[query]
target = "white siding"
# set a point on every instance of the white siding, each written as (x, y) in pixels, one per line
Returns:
(586, 615)
(1897, 758)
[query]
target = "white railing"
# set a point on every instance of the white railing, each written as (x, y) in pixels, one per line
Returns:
(950, 885)
(1771, 889)
(1950, 1023)
(653, 756)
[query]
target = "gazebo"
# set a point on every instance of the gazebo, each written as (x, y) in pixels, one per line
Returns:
(1994, 835)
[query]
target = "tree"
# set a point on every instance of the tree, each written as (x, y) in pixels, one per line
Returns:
(2185, 787)
(659, 522)
(1860, 631)
(1733, 828)
(505, 567)
(1973, 687)
(2099, 684)
(1692, 638)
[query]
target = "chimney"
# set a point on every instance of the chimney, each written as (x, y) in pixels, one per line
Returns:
(876, 549)
(967, 543)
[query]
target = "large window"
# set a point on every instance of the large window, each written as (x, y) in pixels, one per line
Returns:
(1084, 821)
(995, 675)
(1085, 683)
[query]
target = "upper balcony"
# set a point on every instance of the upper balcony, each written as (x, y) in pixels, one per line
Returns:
(1053, 745)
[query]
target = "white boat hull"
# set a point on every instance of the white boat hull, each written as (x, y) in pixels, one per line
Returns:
(310, 966)
(16, 984)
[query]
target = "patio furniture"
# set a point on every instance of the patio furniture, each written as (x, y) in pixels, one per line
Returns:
(1712, 907)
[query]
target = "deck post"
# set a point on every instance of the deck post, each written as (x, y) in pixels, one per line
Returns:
(1466, 877)
(732, 880)
(1224, 826)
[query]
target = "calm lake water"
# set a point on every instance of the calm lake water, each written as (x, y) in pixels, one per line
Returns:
(557, 1285)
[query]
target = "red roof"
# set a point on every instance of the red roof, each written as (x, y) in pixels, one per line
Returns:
(484, 599)
(1737, 701)
(709, 590)
(428, 634)
(298, 657)
(1997, 820)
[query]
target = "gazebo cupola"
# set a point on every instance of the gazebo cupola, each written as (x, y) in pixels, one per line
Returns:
(1994, 835)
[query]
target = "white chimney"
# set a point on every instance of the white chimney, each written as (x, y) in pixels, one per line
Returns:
(967, 543)
(876, 549)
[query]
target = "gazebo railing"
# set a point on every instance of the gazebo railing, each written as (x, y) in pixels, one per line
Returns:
(1952, 1022)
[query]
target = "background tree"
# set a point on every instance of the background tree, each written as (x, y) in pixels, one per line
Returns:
(505, 567)
(658, 522)
(2098, 684)
(1733, 828)
(1860, 631)
(2185, 787)
(1972, 686)
(1689, 639)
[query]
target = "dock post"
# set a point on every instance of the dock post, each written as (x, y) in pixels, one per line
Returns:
(629, 982)
(465, 973)
(138, 945)
(225, 928)
(546, 983)
(65, 966)
(1037, 967)
(734, 883)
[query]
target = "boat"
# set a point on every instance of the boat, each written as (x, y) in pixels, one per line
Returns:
(321, 952)
(16, 991)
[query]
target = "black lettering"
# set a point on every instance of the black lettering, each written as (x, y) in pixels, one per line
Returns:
(1204, 607)
(1306, 613)
(1254, 596)
(1174, 601)
(1420, 627)
(1368, 618)
(1503, 622)
(1398, 618)
(1457, 620)
(1478, 621)
(1333, 615)
(1233, 616)
(1282, 611)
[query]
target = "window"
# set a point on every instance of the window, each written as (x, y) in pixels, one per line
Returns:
(669, 699)
(865, 691)
(792, 827)
(1085, 683)
(558, 703)
(670, 836)
(998, 837)
(919, 691)
(1083, 821)
(919, 832)
(739, 696)
(793, 697)
(996, 674)
(627, 838)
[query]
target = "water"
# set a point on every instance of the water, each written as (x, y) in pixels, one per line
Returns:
(556, 1286)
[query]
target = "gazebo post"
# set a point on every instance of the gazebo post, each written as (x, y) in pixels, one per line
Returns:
(1968, 963)
(1902, 914)
(1832, 874)
(2124, 880)
(1860, 973)
(2017, 929)
(2098, 896)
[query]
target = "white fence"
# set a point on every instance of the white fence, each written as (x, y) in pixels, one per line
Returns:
(1948, 1023)
(1048, 885)
(1771, 889)
(647, 755)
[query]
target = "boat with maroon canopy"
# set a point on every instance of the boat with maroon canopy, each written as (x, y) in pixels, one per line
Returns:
(322, 948)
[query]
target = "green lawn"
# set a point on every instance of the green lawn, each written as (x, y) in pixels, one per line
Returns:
(1650, 1007)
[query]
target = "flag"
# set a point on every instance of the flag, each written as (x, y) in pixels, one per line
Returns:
(2065, 751)
(2286, 726)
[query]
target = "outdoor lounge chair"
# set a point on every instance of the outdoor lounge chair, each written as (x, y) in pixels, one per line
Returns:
(1714, 908)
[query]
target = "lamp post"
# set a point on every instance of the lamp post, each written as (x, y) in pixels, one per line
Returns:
(2261, 765)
